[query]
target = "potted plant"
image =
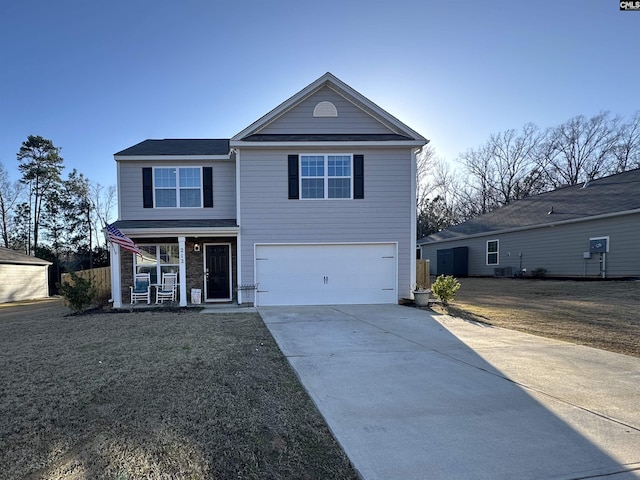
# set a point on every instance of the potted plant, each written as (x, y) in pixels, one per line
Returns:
(421, 293)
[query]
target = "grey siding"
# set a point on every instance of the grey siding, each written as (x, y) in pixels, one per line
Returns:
(130, 195)
(350, 119)
(558, 249)
(23, 282)
(384, 215)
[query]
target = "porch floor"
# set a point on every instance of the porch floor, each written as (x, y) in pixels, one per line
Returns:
(204, 307)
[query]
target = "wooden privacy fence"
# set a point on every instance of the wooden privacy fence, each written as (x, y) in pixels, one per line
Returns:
(100, 277)
(422, 272)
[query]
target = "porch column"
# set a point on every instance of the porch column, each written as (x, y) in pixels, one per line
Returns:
(182, 271)
(116, 291)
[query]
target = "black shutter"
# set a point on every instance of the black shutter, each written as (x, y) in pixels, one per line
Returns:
(207, 187)
(293, 178)
(147, 187)
(358, 176)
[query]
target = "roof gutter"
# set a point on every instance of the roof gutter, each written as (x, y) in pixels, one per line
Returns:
(316, 145)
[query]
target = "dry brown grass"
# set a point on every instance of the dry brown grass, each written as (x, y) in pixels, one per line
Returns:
(601, 314)
(154, 395)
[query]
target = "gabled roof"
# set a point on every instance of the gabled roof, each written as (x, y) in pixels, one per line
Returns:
(402, 131)
(178, 146)
(11, 256)
(615, 194)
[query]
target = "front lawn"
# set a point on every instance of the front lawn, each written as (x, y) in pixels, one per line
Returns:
(600, 314)
(155, 395)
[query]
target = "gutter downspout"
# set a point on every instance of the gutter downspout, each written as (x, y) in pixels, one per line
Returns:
(414, 214)
(236, 151)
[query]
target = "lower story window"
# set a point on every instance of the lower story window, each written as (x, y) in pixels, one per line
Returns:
(156, 260)
(492, 252)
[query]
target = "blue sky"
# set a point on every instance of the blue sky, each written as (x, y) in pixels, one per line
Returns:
(97, 77)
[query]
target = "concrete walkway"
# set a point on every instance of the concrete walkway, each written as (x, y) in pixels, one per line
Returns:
(409, 395)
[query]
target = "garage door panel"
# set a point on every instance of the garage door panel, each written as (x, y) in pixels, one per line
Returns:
(316, 274)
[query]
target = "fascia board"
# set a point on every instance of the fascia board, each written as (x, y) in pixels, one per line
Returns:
(533, 227)
(280, 109)
(320, 145)
(119, 158)
(43, 263)
(368, 106)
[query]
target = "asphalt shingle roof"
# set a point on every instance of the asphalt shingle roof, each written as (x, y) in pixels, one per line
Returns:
(11, 256)
(179, 146)
(608, 195)
(188, 223)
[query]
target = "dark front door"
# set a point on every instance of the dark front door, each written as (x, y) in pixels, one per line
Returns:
(217, 272)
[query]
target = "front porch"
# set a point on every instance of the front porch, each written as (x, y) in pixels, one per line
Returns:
(205, 260)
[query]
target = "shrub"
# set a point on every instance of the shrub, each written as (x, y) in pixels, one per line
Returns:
(539, 272)
(79, 294)
(445, 288)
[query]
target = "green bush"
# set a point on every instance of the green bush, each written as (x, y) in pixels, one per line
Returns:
(79, 294)
(539, 272)
(445, 288)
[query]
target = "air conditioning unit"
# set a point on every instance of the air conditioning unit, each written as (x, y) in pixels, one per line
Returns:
(503, 272)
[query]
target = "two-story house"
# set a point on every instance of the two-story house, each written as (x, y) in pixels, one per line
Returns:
(314, 203)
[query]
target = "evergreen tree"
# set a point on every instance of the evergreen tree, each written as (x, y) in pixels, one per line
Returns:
(41, 166)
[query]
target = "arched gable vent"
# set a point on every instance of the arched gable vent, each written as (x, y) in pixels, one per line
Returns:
(325, 109)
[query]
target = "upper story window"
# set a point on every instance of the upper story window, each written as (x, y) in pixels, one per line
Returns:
(326, 176)
(492, 252)
(177, 187)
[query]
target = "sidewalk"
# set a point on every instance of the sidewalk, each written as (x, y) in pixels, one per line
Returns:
(411, 396)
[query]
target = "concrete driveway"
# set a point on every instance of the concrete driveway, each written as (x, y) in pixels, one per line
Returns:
(410, 395)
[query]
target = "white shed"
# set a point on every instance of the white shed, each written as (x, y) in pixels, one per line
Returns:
(22, 277)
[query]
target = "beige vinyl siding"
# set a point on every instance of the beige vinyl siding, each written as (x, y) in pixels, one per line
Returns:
(130, 195)
(23, 282)
(559, 249)
(384, 215)
(350, 119)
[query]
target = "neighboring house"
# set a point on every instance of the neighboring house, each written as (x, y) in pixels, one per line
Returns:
(588, 230)
(314, 203)
(23, 277)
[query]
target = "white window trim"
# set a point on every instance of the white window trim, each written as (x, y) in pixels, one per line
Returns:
(158, 265)
(177, 187)
(496, 253)
(326, 175)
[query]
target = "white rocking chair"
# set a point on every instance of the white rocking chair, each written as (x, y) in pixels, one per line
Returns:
(167, 290)
(141, 289)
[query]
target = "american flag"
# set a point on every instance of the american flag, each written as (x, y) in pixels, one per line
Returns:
(119, 238)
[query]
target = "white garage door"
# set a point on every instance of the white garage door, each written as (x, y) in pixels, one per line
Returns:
(314, 274)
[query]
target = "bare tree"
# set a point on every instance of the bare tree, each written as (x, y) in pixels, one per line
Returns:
(581, 149)
(103, 200)
(513, 156)
(481, 174)
(9, 195)
(627, 152)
